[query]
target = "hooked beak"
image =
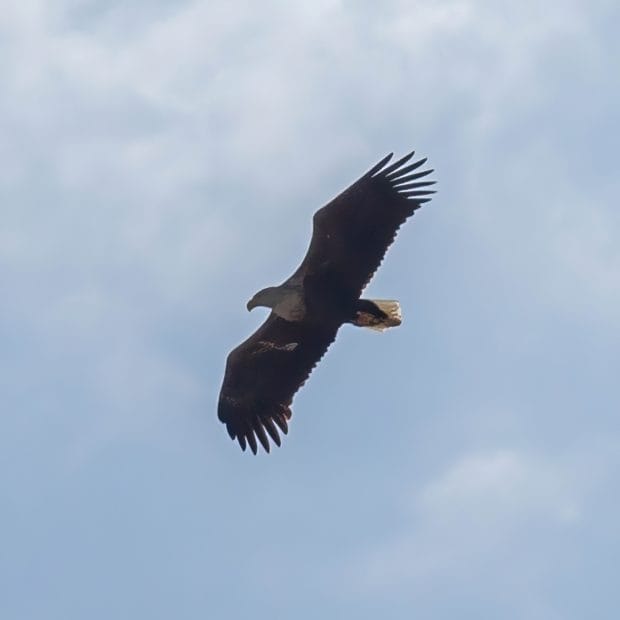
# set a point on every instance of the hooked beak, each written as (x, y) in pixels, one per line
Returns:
(251, 304)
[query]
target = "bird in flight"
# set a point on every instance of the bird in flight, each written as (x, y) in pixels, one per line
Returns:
(350, 237)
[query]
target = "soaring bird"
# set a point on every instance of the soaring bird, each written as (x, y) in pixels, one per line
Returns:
(350, 237)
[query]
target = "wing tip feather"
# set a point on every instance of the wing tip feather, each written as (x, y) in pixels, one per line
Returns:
(378, 166)
(256, 430)
(397, 164)
(402, 179)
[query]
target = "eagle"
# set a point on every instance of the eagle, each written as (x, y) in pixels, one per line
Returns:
(350, 237)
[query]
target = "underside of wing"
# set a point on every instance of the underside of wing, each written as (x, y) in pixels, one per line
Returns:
(352, 233)
(262, 376)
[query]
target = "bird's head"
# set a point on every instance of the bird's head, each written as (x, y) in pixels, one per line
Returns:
(268, 298)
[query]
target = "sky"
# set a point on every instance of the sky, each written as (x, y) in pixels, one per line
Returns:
(160, 163)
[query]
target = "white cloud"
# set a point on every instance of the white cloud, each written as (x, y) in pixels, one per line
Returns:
(136, 144)
(468, 519)
(134, 148)
(501, 483)
(157, 157)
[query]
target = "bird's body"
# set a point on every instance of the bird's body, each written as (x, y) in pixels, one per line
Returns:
(350, 237)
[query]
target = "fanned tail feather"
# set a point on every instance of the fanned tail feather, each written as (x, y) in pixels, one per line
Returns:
(378, 314)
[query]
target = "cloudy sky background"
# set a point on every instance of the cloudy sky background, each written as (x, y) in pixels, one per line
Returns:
(159, 162)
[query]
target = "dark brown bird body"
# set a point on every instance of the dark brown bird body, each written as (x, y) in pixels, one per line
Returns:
(350, 237)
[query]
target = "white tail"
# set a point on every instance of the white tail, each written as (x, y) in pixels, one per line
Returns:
(391, 307)
(368, 318)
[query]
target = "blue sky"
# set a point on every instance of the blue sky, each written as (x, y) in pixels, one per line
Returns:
(159, 163)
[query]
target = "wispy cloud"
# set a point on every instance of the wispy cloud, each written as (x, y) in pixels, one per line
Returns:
(161, 160)
(492, 525)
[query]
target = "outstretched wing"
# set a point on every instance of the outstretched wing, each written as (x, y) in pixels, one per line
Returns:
(264, 373)
(352, 233)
